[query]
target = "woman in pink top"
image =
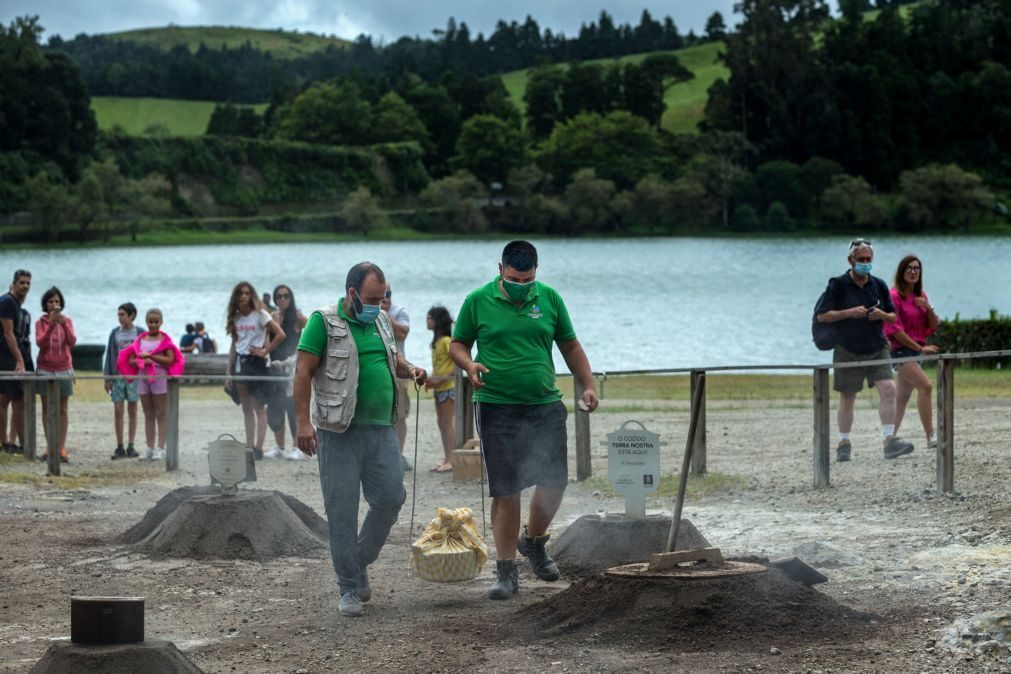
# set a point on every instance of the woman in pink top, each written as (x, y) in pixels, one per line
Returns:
(54, 335)
(915, 320)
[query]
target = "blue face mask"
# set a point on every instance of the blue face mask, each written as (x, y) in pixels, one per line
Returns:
(862, 268)
(364, 313)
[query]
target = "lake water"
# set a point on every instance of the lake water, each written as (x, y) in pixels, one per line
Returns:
(635, 303)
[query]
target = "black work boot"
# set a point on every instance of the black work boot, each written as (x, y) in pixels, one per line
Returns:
(507, 580)
(533, 549)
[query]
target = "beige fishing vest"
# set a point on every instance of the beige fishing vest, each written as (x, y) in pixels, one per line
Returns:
(335, 384)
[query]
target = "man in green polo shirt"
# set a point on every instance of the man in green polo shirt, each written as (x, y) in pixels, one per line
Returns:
(344, 386)
(514, 320)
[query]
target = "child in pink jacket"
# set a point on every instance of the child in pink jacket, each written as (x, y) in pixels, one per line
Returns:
(153, 356)
(54, 335)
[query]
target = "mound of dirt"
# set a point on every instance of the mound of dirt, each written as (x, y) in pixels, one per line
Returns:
(593, 543)
(252, 524)
(735, 613)
(170, 501)
(149, 657)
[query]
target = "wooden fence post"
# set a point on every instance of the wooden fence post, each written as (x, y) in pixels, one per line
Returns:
(52, 413)
(699, 448)
(584, 469)
(946, 424)
(822, 395)
(28, 440)
(172, 434)
(464, 409)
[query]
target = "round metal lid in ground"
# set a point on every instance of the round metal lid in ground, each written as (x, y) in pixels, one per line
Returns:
(727, 569)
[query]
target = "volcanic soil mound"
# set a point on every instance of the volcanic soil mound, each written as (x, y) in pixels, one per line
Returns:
(737, 612)
(200, 523)
(149, 657)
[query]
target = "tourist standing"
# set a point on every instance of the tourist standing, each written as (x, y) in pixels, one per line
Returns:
(187, 343)
(153, 356)
(442, 383)
(123, 393)
(344, 386)
(54, 335)
(401, 322)
(514, 320)
(860, 304)
(292, 321)
(249, 325)
(205, 343)
(915, 321)
(15, 355)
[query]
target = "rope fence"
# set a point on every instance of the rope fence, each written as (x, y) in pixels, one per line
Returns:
(48, 386)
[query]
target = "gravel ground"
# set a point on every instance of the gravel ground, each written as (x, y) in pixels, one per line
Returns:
(917, 560)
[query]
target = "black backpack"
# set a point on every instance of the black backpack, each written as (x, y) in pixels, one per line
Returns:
(825, 335)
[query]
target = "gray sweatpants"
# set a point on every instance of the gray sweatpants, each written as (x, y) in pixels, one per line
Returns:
(369, 457)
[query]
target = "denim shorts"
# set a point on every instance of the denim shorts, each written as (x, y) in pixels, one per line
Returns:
(903, 352)
(124, 391)
(443, 396)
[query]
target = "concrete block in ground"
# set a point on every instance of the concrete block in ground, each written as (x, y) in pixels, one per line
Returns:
(149, 657)
(593, 543)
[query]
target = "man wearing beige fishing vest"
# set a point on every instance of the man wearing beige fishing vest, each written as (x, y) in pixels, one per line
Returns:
(345, 408)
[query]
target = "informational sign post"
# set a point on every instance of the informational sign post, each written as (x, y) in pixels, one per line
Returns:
(230, 463)
(633, 465)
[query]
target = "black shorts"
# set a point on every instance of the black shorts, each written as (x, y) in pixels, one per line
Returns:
(13, 390)
(256, 366)
(524, 445)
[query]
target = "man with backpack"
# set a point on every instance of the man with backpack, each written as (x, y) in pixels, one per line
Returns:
(857, 305)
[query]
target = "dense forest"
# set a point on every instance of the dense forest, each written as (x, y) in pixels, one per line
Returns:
(897, 121)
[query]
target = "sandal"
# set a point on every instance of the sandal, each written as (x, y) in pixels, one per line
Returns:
(441, 468)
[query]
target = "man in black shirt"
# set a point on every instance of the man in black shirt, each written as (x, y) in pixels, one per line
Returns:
(859, 304)
(12, 330)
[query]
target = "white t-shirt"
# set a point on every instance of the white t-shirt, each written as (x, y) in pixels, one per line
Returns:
(250, 331)
(399, 314)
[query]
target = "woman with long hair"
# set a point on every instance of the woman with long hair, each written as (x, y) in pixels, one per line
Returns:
(442, 382)
(915, 321)
(54, 335)
(292, 321)
(254, 335)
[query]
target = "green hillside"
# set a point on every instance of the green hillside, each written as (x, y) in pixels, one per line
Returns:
(685, 102)
(280, 43)
(138, 116)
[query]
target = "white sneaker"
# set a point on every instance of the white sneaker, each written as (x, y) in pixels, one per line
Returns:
(159, 454)
(275, 453)
(294, 454)
(149, 454)
(932, 441)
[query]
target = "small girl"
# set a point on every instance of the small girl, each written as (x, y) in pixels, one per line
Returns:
(154, 354)
(442, 383)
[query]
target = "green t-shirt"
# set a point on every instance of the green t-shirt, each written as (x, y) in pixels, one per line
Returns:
(375, 383)
(514, 343)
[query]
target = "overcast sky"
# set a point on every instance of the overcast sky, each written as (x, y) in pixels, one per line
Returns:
(383, 19)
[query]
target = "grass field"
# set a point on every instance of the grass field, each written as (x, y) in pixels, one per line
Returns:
(282, 44)
(685, 102)
(137, 116)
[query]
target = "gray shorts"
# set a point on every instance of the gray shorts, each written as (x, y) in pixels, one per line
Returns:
(851, 379)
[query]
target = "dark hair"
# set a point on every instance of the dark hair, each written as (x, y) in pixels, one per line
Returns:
(128, 307)
(52, 292)
(198, 326)
(291, 313)
(19, 273)
(358, 273)
(520, 255)
(443, 323)
(234, 309)
(190, 328)
(900, 280)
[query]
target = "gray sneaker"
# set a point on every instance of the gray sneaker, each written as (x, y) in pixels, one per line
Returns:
(364, 590)
(507, 580)
(351, 605)
(896, 446)
(537, 555)
(842, 452)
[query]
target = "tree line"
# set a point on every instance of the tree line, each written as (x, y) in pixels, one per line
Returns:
(114, 67)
